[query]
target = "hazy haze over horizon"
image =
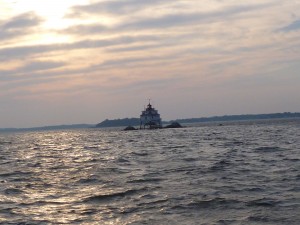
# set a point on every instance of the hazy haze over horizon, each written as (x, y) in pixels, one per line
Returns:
(83, 61)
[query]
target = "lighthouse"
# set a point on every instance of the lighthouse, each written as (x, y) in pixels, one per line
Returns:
(150, 118)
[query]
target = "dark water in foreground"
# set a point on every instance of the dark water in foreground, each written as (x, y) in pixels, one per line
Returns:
(241, 173)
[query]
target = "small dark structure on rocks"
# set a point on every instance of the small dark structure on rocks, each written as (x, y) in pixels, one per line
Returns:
(173, 125)
(130, 128)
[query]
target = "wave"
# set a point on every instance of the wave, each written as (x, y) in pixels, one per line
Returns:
(110, 196)
(220, 165)
(263, 202)
(239, 175)
(145, 180)
(268, 149)
(258, 218)
(140, 153)
(13, 191)
(209, 203)
(41, 203)
(5, 142)
(174, 146)
(15, 173)
(88, 180)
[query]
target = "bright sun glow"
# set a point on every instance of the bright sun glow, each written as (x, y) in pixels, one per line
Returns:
(52, 12)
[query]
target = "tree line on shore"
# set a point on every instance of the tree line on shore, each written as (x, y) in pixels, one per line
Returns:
(136, 121)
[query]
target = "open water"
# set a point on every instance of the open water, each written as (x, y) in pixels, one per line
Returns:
(238, 173)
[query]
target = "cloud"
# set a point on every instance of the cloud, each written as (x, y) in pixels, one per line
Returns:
(129, 61)
(20, 52)
(19, 25)
(145, 85)
(29, 68)
(114, 7)
(135, 48)
(85, 29)
(165, 21)
(40, 65)
(191, 18)
(294, 26)
(172, 18)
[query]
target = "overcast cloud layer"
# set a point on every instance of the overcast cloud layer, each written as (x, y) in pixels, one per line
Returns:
(83, 63)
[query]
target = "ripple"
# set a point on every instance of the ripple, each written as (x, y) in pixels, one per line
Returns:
(268, 149)
(111, 196)
(233, 174)
(208, 204)
(13, 191)
(220, 165)
(263, 202)
(145, 180)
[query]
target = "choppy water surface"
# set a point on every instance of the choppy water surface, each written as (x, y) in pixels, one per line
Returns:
(240, 173)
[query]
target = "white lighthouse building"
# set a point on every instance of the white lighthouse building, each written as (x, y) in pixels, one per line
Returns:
(150, 118)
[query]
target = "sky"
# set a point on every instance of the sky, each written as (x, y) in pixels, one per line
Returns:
(83, 61)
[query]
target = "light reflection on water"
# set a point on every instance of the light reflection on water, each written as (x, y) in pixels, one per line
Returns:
(234, 174)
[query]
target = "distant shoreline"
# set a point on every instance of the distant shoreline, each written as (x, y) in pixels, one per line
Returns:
(58, 127)
(135, 121)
